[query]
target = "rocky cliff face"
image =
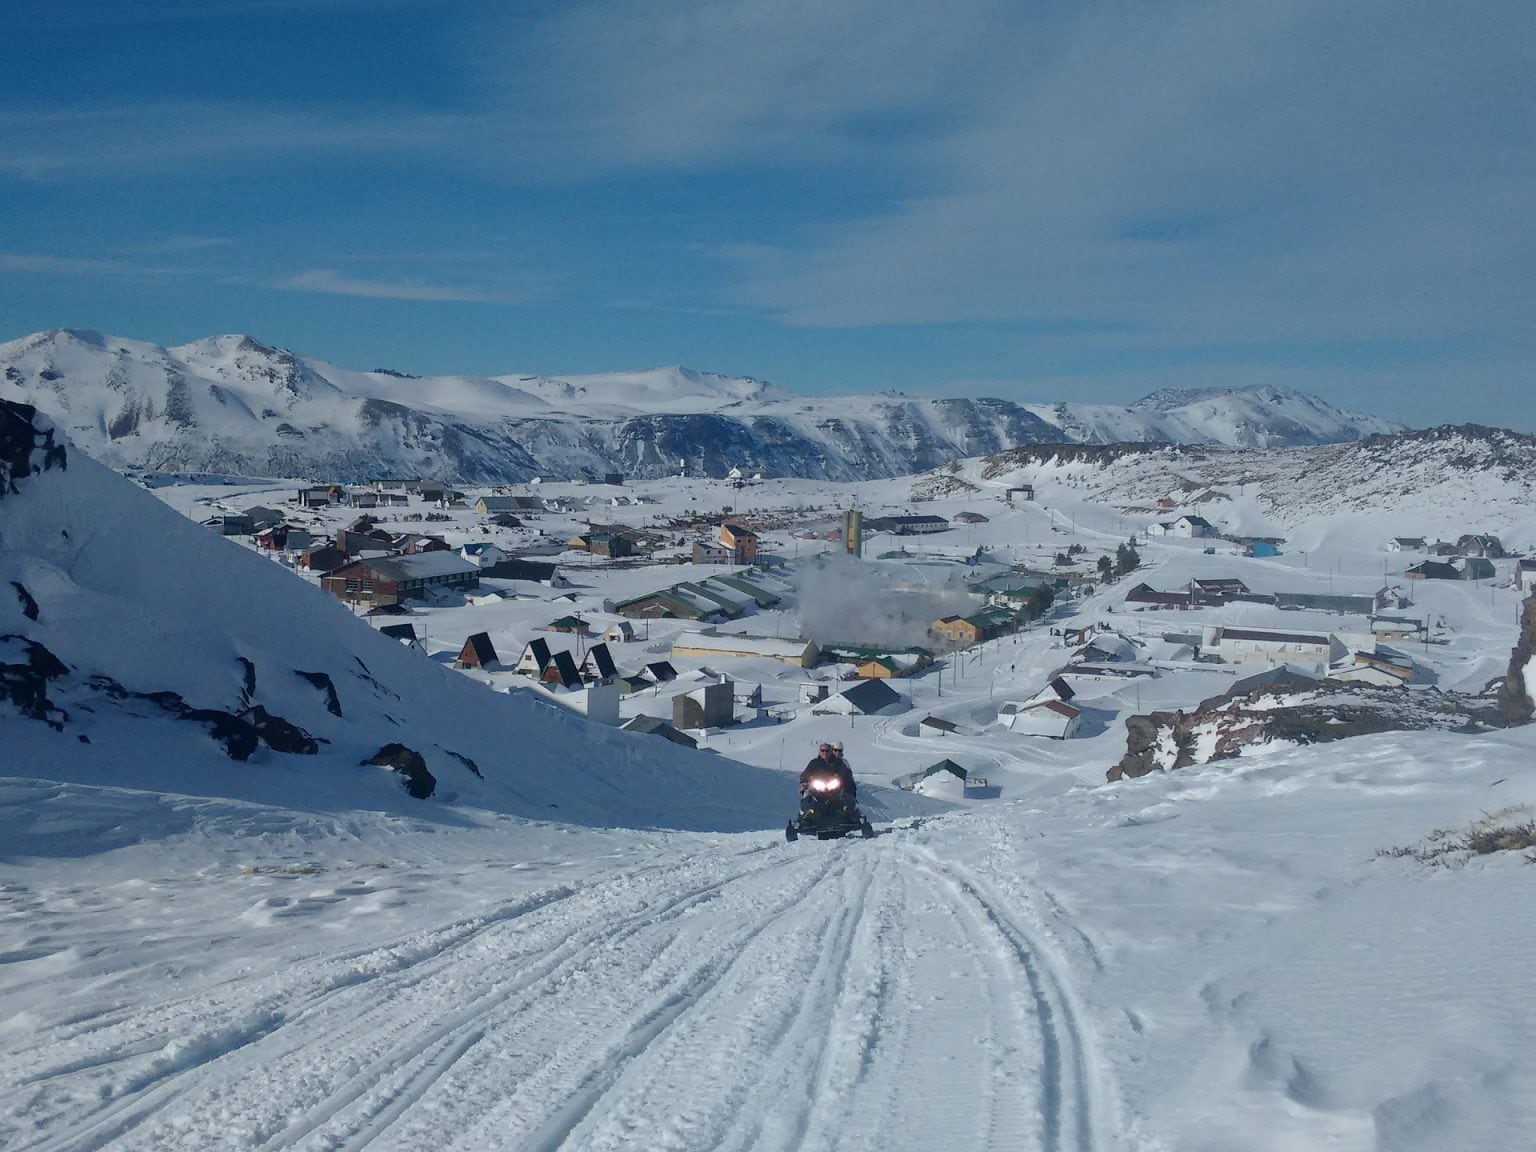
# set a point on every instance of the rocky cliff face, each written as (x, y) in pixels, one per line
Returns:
(1296, 709)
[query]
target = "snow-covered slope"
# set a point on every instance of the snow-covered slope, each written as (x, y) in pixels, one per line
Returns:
(232, 404)
(1436, 483)
(135, 647)
(1262, 417)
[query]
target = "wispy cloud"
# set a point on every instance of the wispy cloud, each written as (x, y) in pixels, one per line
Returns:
(329, 282)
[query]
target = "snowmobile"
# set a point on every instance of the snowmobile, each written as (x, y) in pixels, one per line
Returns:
(827, 812)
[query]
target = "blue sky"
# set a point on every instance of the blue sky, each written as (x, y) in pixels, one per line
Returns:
(1042, 201)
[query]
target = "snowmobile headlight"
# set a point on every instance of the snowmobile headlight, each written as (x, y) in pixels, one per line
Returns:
(825, 784)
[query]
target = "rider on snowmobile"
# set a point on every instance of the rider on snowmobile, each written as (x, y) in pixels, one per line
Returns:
(828, 763)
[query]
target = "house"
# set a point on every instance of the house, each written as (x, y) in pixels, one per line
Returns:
(322, 558)
(659, 672)
(906, 525)
(651, 726)
(942, 781)
(710, 706)
(263, 517)
(478, 652)
(614, 545)
(755, 592)
(976, 628)
(705, 552)
(796, 653)
(1396, 627)
(488, 504)
(1406, 544)
(572, 624)
(1234, 645)
(1055, 719)
(363, 499)
(621, 633)
(597, 664)
(284, 537)
(866, 698)
(533, 659)
(742, 543)
(1379, 668)
(317, 497)
(969, 518)
(482, 555)
(601, 703)
(1524, 570)
(504, 520)
(561, 671)
(1324, 602)
(935, 727)
(1479, 544)
(360, 537)
(659, 606)
(614, 479)
(391, 579)
(534, 571)
(1474, 568)
(890, 665)
(812, 693)
(231, 524)
(414, 544)
(1431, 570)
(405, 634)
(1146, 594)
(1216, 591)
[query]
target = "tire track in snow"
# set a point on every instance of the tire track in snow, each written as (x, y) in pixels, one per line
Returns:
(343, 1001)
(1069, 1088)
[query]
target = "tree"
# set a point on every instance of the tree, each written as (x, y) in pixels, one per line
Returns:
(1126, 559)
(1106, 568)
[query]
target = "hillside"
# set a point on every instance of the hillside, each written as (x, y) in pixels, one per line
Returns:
(140, 650)
(232, 404)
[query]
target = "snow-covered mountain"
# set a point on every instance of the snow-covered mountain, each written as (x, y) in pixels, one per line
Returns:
(140, 650)
(232, 404)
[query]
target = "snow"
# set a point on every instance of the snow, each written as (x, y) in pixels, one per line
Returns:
(605, 943)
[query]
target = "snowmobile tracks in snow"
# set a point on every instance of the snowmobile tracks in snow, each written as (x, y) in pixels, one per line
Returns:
(761, 1000)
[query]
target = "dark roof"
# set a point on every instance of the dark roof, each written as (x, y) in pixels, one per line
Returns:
(400, 632)
(601, 659)
(565, 670)
(942, 725)
(870, 695)
(478, 651)
(515, 568)
(944, 766)
(539, 647)
(661, 671)
(654, 727)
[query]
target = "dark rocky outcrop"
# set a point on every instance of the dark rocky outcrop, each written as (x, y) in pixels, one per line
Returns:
(419, 782)
(1290, 710)
(322, 681)
(1514, 700)
(24, 682)
(278, 734)
(28, 604)
(466, 761)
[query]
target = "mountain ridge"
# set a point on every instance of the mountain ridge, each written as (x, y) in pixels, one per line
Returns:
(232, 403)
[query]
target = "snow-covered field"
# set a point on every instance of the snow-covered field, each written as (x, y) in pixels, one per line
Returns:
(196, 954)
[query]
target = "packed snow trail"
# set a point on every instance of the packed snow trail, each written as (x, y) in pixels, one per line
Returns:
(856, 995)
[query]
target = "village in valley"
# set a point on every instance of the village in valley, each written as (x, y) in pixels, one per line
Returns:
(964, 633)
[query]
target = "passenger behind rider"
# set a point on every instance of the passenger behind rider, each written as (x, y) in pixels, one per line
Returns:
(829, 761)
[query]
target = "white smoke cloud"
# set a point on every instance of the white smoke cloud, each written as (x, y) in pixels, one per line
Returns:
(844, 600)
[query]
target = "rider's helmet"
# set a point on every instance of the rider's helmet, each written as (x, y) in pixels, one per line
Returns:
(837, 746)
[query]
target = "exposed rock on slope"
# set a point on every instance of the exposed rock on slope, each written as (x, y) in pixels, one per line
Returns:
(189, 665)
